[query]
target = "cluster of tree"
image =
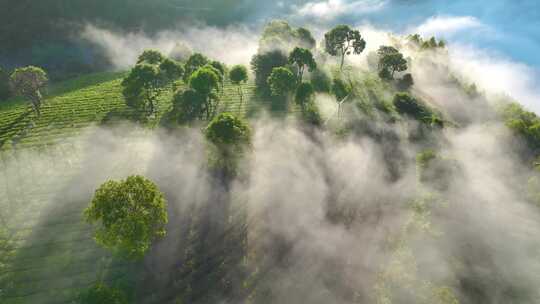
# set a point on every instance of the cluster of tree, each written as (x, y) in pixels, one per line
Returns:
(431, 43)
(205, 79)
(392, 61)
(145, 82)
(525, 124)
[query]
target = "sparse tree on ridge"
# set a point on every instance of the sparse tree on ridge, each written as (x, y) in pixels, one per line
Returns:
(130, 214)
(390, 62)
(342, 41)
(239, 75)
(28, 82)
(282, 81)
(302, 58)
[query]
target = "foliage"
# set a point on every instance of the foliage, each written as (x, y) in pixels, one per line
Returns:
(263, 64)
(342, 40)
(171, 69)
(229, 135)
(340, 89)
(142, 86)
(431, 43)
(524, 123)
(302, 58)
(151, 57)
(409, 106)
(390, 61)
(27, 82)
(205, 81)
(406, 82)
(228, 130)
(193, 63)
(278, 34)
(5, 92)
(304, 94)
(311, 115)
(131, 214)
(305, 38)
(189, 104)
(220, 66)
(101, 294)
(321, 81)
(282, 81)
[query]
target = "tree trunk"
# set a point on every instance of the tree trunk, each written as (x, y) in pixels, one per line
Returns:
(342, 60)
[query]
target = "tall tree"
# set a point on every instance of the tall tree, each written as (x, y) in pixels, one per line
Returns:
(239, 75)
(205, 81)
(390, 62)
(263, 64)
(28, 82)
(130, 213)
(142, 86)
(302, 58)
(342, 41)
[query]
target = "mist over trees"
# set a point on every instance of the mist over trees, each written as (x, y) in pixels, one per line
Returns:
(364, 186)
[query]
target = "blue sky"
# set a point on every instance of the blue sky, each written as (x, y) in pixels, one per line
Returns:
(510, 28)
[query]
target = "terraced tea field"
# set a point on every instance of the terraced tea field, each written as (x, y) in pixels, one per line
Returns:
(47, 254)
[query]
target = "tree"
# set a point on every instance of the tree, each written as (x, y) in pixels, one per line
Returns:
(132, 213)
(221, 68)
(305, 38)
(282, 81)
(406, 82)
(189, 104)
(4, 85)
(28, 82)
(239, 75)
(193, 63)
(142, 86)
(263, 64)
(304, 95)
(342, 41)
(229, 135)
(171, 69)
(205, 81)
(101, 294)
(321, 81)
(302, 58)
(390, 61)
(151, 57)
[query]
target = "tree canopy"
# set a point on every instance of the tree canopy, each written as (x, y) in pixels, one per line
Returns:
(194, 62)
(302, 58)
(263, 64)
(390, 61)
(130, 214)
(342, 41)
(151, 57)
(282, 81)
(226, 130)
(304, 94)
(142, 86)
(28, 82)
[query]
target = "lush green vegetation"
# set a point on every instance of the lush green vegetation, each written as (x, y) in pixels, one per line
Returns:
(57, 256)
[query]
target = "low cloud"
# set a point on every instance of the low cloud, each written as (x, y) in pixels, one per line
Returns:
(448, 25)
(331, 9)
